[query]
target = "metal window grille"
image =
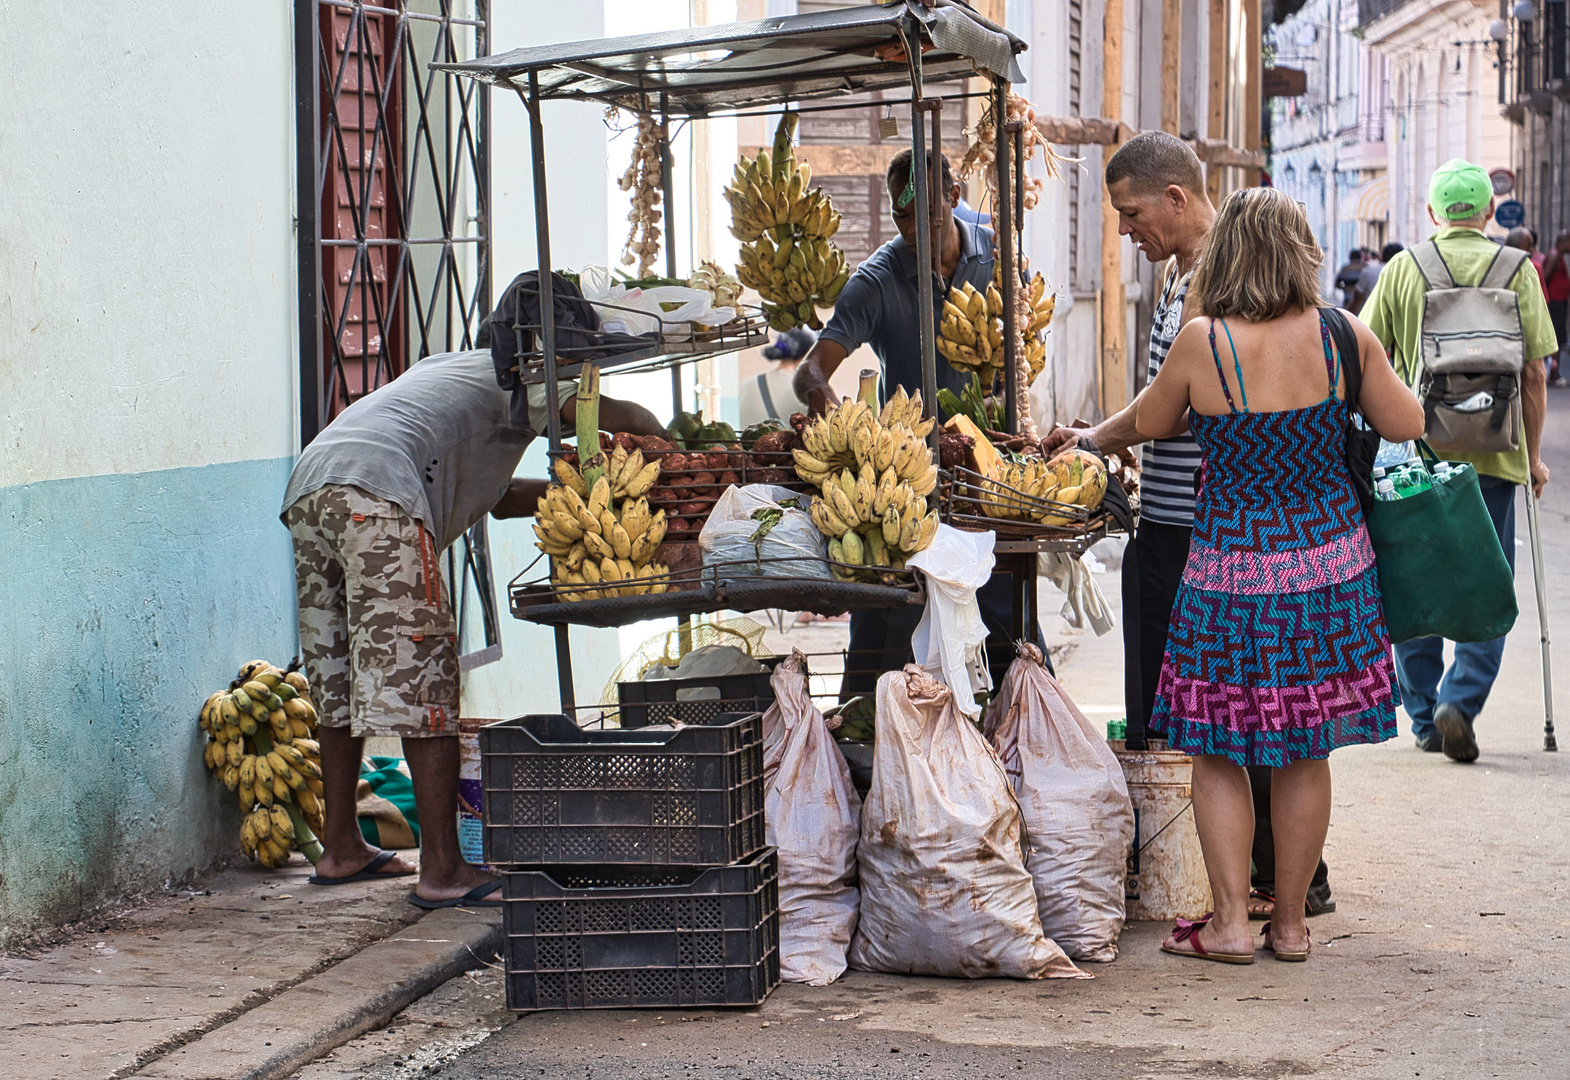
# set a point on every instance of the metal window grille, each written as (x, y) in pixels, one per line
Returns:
(394, 225)
(394, 192)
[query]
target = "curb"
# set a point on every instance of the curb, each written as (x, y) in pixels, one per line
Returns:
(357, 995)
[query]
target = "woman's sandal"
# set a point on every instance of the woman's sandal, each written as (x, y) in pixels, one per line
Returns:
(1291, 956)
(1188, 930)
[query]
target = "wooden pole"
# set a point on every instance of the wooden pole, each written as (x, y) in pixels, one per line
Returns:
(1251, 137)
(1217, 93)
(1171, 63)
(1114, 354)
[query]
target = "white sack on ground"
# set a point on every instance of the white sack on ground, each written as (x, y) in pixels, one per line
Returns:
(1077, 811)
(813, 816)
(951, 640)
(944, 889)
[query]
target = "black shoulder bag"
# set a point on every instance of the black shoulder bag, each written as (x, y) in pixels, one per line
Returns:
(1362, 441)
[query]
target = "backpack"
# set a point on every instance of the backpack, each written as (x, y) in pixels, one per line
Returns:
(1473, 350)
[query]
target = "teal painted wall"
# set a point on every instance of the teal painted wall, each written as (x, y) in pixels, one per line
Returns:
(127, 599)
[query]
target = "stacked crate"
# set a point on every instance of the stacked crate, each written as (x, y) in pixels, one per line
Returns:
(633, 863)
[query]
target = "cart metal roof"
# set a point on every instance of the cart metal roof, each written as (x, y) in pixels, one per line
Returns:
(716, 69)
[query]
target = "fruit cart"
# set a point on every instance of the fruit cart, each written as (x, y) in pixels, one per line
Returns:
(742, 69)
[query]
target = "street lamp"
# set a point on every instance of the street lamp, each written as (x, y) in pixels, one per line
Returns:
(1524, 11)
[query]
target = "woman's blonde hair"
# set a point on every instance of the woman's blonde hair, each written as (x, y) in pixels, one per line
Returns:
(1261, 260)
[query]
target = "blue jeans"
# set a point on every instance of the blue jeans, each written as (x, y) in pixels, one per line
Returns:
(1420, 663)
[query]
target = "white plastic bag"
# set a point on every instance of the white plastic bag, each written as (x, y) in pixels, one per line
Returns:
(951, 640)
(1085, 604)
(813, 817)
(727, 537)
(641, 311)
(1077, 811)
(944, 889)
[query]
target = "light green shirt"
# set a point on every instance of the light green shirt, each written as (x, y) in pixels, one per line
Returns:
(1394, 312)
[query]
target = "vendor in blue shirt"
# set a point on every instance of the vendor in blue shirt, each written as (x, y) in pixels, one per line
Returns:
(878, 307)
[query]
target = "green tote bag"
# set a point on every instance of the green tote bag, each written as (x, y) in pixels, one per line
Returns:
(1441, 569)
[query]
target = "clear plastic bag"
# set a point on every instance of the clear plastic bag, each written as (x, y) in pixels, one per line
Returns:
(813, 817)
(642, 311)
(729, 535)
(1075, 800)
(944, 889)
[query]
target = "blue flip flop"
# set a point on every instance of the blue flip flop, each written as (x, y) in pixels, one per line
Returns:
(472, 898)
(370, 871)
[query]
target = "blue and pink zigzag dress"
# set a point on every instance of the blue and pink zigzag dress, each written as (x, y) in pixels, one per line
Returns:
(1277, 649)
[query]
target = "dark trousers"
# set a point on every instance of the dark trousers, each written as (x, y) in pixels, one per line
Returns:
(1153, 564)
(880, 638)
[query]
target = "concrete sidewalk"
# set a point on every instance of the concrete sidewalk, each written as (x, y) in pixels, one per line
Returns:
(250, 974)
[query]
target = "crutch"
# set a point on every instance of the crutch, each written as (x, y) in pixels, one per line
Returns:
(1549, 743)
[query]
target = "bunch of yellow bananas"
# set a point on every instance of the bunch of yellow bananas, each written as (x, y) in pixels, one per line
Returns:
(793, 277)
(603, 536)
(1037, 490)
(970, 337)
(784, 226)
(874, 472)
(259, 744)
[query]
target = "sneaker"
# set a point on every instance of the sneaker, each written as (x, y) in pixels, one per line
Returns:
(1430, 742)
(1455, 728)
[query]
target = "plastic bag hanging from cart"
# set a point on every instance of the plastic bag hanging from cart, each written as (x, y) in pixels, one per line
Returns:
(944, 890)
(1077, 811)
(950, 641)
(813, 816)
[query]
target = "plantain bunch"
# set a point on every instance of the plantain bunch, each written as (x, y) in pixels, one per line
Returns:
(785, 228)
(873, 471)
(259, 743)
(1037, 490)
(603, 535)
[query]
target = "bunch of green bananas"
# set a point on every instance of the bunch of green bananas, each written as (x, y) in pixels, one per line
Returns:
(874, 472)
(603, 536)
(259, 744)
(785, 228)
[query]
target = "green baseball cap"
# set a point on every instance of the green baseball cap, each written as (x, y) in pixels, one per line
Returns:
(1459, 190)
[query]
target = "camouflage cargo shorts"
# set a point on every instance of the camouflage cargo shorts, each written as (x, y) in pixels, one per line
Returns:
(376, 628)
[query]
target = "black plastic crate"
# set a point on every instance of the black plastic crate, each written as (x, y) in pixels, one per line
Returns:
(618, 937)
(655, 702)
(556, 793)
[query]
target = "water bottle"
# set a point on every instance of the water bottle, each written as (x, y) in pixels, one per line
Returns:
(1442, 472)
(1385, 490)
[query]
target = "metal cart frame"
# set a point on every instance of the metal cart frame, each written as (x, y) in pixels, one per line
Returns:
(727, 70)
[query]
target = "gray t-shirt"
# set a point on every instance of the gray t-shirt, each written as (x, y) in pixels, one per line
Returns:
(436, 441)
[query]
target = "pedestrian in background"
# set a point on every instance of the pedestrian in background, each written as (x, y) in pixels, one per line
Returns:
(1443, 704)
(1370, 274)
(1346, 277)
(1556, 284)
(1277, 652)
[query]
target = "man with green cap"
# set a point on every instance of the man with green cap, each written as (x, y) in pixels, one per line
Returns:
(1443, 704)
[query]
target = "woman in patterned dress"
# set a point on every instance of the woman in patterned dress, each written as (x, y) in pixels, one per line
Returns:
(1277, 652)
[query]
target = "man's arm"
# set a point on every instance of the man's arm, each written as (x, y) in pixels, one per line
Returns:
(811, 382)
(1116, 432)
(1534, 405)
(520, 499)
(617, 415)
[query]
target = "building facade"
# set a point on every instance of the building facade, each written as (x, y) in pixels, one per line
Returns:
(1327, 146)
(1442, 100)
(1534, 91)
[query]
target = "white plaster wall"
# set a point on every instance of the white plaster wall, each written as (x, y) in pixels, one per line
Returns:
(147, 285)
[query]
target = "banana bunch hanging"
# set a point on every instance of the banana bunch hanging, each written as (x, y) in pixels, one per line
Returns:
(970, 335)
(874, 471)
(603, 535)
(1042, 304)
(259, 743)
(785, 229)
